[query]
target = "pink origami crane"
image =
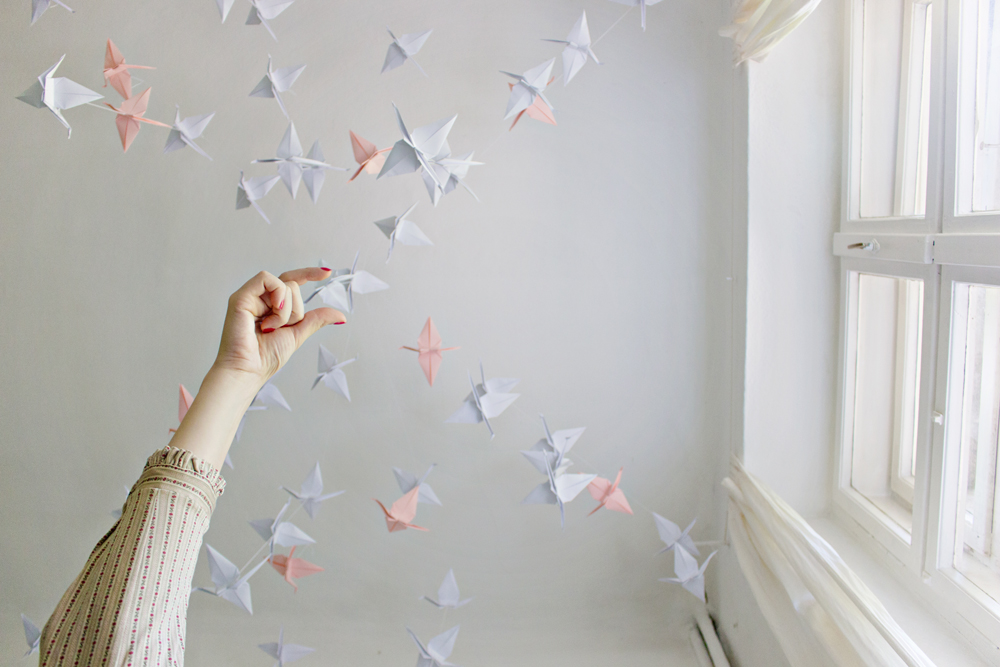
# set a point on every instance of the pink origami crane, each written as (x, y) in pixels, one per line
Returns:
(399, 516)
(116, 72)
(370, 158)
(130, 115)
(183, 406)
(429, 349)
(609, 495)
(538, 110)
(293, 568)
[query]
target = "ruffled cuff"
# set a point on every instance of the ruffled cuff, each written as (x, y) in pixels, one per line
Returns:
(185, 461)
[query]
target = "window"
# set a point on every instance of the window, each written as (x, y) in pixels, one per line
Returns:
(918, 439)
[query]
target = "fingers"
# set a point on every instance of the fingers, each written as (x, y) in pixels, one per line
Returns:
(306, 275)
(298, 307)
(259, 294)
(313, 321)
(281, 309)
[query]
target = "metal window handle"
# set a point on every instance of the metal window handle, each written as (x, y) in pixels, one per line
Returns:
(938, 418)
(872, 246)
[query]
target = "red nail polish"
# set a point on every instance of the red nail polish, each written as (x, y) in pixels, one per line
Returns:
(281, 305)
(267, 330)
(326, 268)
(344, 322)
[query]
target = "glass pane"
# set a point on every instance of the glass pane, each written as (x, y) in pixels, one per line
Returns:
(977, 348)
(979, 108)
(888, 317)
(895, 106)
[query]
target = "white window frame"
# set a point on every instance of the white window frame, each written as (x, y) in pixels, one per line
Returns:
(942, 247)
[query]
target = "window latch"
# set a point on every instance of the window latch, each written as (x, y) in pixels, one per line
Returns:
(938, 418)
(871, 246)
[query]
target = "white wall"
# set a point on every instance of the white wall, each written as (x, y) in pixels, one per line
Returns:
(595, 269)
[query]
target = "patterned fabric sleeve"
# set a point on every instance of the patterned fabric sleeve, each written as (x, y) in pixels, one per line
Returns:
(129, 604)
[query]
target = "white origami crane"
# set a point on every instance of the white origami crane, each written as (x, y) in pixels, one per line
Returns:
(249, 190)
(758, 25)
(262, 11)
(276, 531)
(487, 400)
(269, 396)
(57, 93)
(224, 7)
(292, 166)
(438, 649)
(416, 150)
(577, 50)
(229, 585)
(529, 86)
(338, 290)
(672, 535)
(38, 8)
(277, 81)
(448, 595)
(408, 481)
(311, 493)
(284, 653)
(330, 373)
(642, 4)
(449, 172)
(689, 575)
(403, 48)
(548, 456)
(398, 228)
(185, 131)
(32, 635)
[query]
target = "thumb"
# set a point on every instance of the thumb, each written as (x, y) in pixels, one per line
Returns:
(313, 321)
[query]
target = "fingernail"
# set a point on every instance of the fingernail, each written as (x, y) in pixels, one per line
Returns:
(281, 305)
(267, 330)
(326, 268)
(341, 322)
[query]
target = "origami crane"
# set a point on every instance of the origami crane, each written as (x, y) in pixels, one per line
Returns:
(338, 290)
(116, 71)
(184, 404)
(416, 150)
(398, 228)
(429, 350)
(672, 535)
(311, 492)
(577, 50)
(277, 81)
(229, 585)
(291, 164)
(408, 481)
(262, 11)
(642, 4)
(528, 87)
(313, 174)
(438, 649)
(32, 635)
(330, 373)
(184, 132)
(449, 172)
(268, 396)
(367, 156)
(284, 653)
(403, 48)
(280, 532)
(538, 110)
(292, 568)
(448, 595)
(130, 117)
(250, 190)
(38, 7)
(609, 495)
(224, 7)
(399, 516)
(549, 458)
(57, 93)
(487, 400)
(689, 575)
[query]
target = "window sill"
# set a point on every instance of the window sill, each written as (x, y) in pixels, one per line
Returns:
(906, 597)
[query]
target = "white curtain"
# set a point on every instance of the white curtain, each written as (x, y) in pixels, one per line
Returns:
(758, 25)
(819, 610)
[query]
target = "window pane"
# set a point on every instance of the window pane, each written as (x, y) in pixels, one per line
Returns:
(888, 316)
(895, 94)
(977, 349)
(979, 108)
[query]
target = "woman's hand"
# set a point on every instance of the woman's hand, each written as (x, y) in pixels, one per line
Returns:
(267, 322)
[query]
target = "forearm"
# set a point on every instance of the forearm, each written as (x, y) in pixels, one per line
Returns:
(210, 424)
